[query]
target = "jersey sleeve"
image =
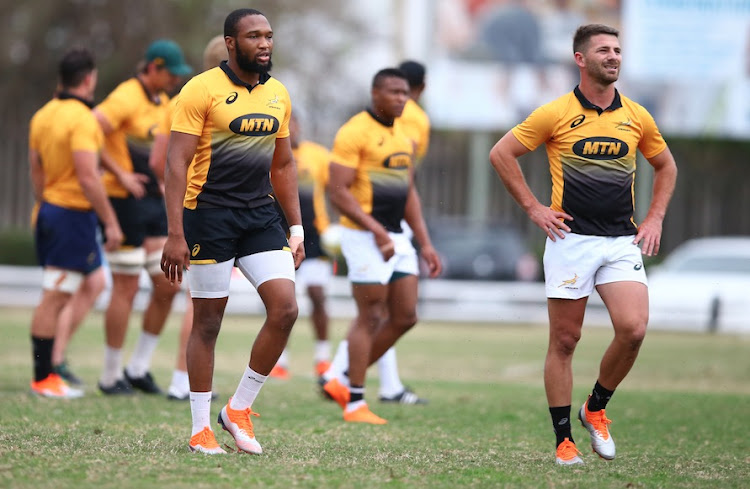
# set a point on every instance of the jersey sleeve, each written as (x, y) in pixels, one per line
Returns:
(347, 146)
(88, 135)
(652, 143)
(34, 133)
(536, 129)
(191, 109)
(118, 107)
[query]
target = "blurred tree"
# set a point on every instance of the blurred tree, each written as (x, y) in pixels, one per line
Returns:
(312, 39)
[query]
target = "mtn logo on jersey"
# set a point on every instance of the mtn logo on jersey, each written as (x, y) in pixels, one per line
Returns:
(398, 161)
(254, 125)
(601, 148)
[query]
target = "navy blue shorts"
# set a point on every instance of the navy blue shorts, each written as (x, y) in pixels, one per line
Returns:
(140, 218)
(66, 239)
(215, 235)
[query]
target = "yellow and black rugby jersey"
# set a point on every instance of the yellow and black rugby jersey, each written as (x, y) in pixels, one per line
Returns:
(382, 156)
(238, 125)
(592, 157)
(64, 125)
(135, 117)
(312, 176)
(416, 124)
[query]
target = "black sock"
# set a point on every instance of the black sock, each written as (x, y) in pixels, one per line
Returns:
(561, 423)
(356, 393)
(600, 396)
(41, 350)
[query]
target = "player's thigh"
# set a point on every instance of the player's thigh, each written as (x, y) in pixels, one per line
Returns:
(627, 304)
(402, 299)
(570, 265)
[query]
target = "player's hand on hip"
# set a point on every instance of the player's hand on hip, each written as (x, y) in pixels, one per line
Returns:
(112, 237)
(175, 258)
(551, 222)
(432, 258)
(385, 244)
(296, 244)
(649, 237)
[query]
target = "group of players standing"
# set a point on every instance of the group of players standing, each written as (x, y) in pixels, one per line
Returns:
(226, 195)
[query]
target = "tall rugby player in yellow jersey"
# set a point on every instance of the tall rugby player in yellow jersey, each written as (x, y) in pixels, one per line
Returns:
(372, 185)
(592, 135)
(416, 125)
(64, 145)
(129, 116)
(229, 135)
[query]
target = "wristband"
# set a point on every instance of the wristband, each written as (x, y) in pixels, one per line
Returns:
(297, 230)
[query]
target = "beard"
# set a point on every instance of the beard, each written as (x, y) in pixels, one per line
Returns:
(249, 65)
(601, 75)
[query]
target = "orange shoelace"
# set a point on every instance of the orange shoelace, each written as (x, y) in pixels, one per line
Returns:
(205, 438)
(600, 422)
(567, 450)
(243, 421)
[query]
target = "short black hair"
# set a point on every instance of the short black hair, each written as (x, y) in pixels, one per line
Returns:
(230, 24)
(74, 66)
(414, 72)
(381, 75)
(586, 32)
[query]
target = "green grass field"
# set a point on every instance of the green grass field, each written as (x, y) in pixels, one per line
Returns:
(681, 419)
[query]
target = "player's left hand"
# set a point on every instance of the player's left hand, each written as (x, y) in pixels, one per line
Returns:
(432, 258)
(296, 244)
(649, 236)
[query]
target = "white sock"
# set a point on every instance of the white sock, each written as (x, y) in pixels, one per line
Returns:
(200, 408)
(180, 382)
(248, 389)
(140, 361)
(340, 364)
(390, 382)
(283, 360)
(322, 351)
(112, 366)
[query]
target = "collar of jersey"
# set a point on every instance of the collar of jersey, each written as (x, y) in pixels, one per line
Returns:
(616, 103)
(153, 98)
(264, 77)
(379, 119)
(68, 96)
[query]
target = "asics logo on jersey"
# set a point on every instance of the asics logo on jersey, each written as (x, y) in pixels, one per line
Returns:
(578, 121)
(601, 148)
(196, 249)
(570, 282)
(232, 97)
(254, 125)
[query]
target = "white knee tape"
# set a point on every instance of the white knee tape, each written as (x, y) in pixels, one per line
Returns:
(61, 280)
(153, 263)
(128, 261)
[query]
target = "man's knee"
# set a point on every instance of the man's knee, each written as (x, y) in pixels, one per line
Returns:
(632, 335)
(284, 313)
(405, 321)
(565, 342)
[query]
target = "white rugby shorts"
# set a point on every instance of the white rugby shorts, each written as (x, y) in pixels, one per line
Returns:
(575, 265)
(365, 262)
(314, 272)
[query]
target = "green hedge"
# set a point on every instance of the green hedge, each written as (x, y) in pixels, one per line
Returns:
(17, 247)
